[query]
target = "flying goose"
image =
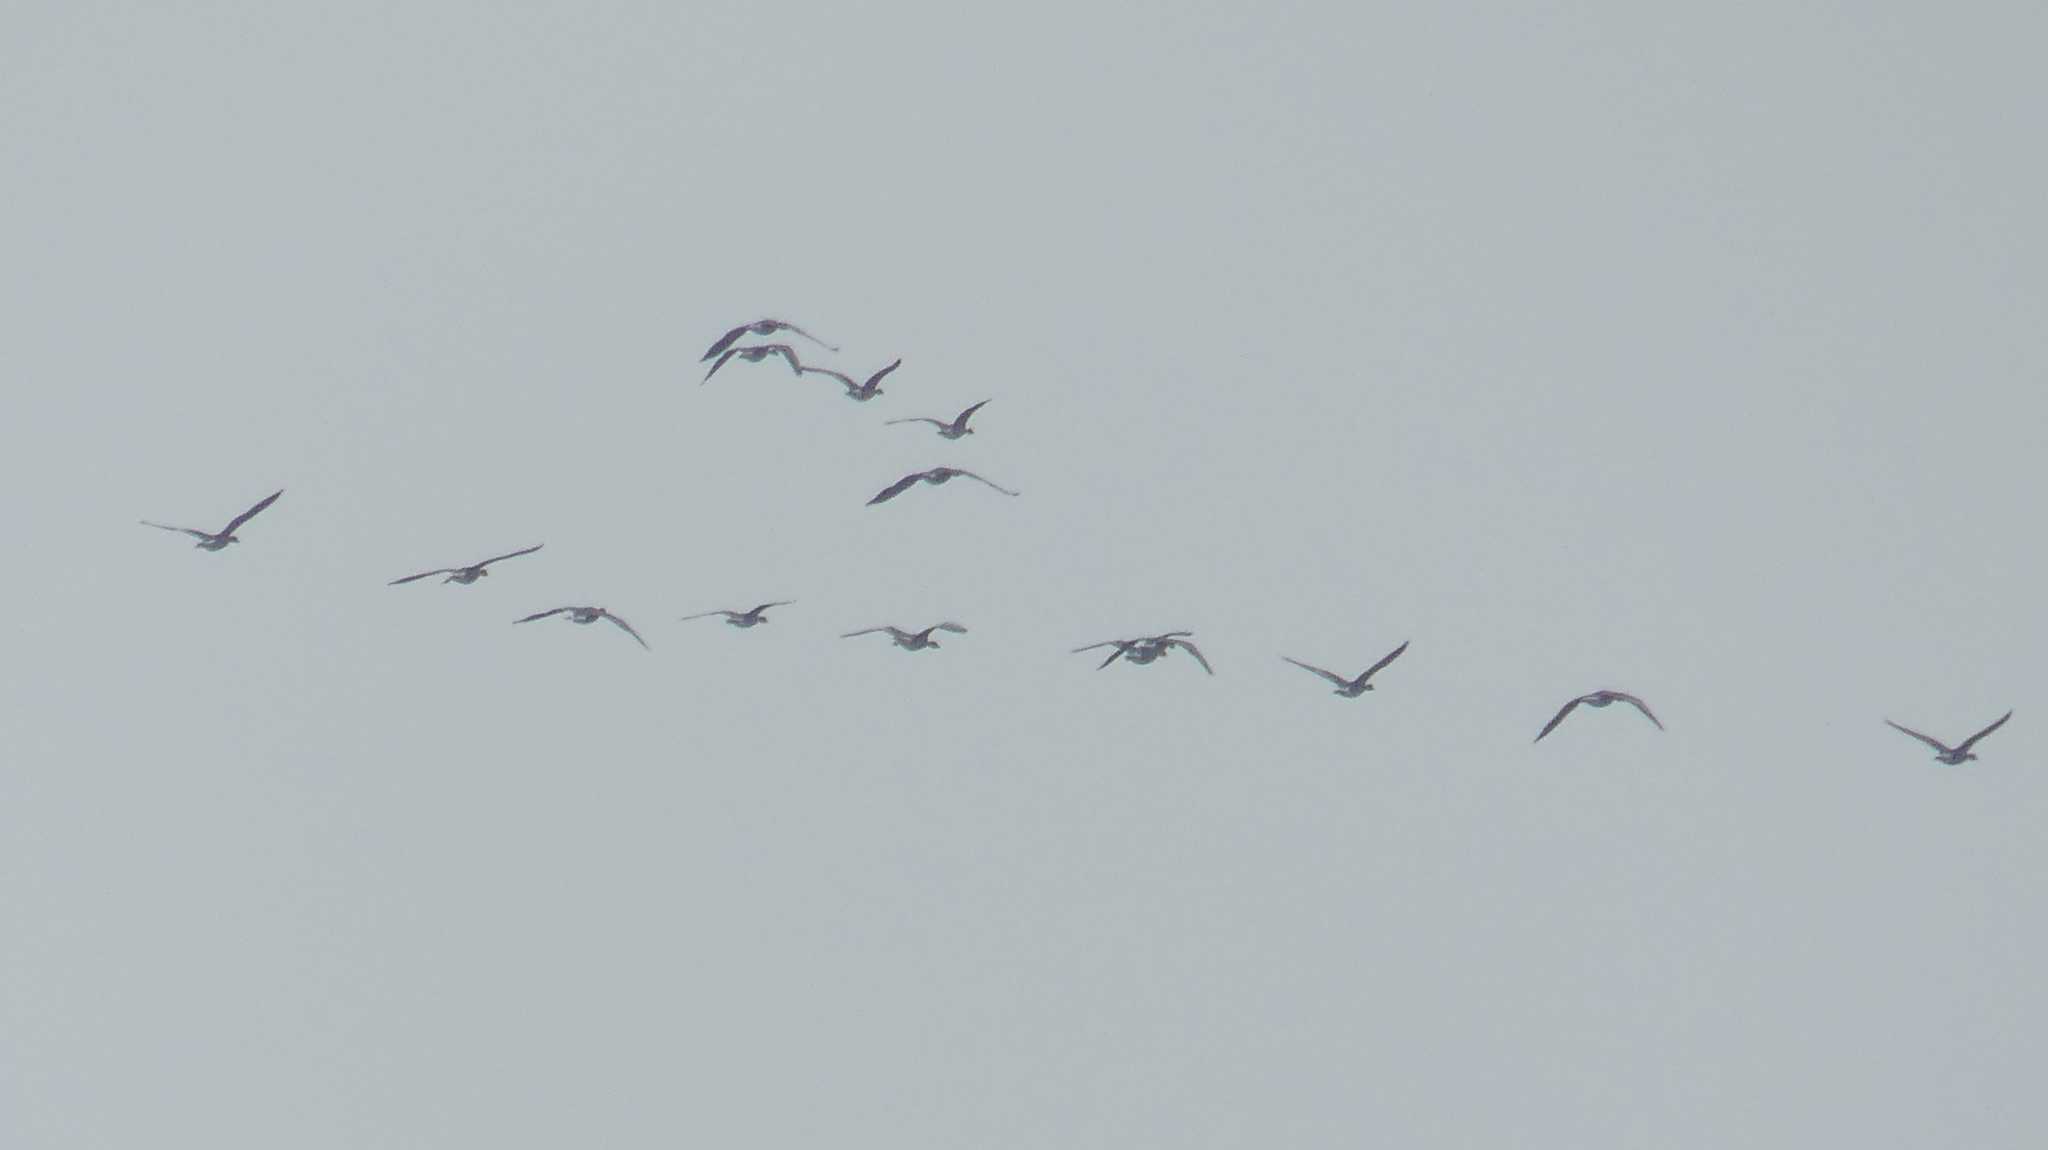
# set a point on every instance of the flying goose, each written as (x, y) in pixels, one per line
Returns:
(911, 640)
(217, 540)
(753, 618)
(1597, 699)
(588, 615)
(935, 477)
(1148, 649)
(953, 430)
(859, 392)
(755, 355)
(763, 328)
(469, 574)
(1352, 688)
(1958, 754)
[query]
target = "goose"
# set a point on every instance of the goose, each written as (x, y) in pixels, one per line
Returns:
(742, 619)
(911, 640)
(1597, 699)
(763, 328)
(1352, 688)
(935, 477)
(954, 429)
(1149, 649)
(218, 540)
(756, 355)
(469, 574)
(858, 392)
(1958, 754)
(587, 615)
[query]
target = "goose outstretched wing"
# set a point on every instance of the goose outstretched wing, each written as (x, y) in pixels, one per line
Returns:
(423, 575)
(1392, 655)
(1558, 718)
(897, 488)
(1638, 704)
(1192, 650)
(1332, 676)
(246, 516)
(627, 628)
(1971, 741)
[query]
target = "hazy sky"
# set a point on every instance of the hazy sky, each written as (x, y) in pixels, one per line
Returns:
(1696, 353)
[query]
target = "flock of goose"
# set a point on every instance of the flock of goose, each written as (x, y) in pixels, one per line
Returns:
(1138, 651)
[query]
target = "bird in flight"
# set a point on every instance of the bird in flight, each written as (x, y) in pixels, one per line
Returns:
(588, 615)
(1597, 699)
(954, 429)
(935, 477)
(756, 355)
(762, 328)
(217, 540)
(1352, 688)
(859, 392)
(469, 574)
(911, 640)
(743, 619)
(1149, 649)
(1958, 754)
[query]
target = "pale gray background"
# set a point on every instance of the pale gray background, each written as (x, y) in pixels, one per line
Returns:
(1696, 353)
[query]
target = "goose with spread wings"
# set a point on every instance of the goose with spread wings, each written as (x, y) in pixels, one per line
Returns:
(469, 574)
(743, 619)
(763, 328)
(1958, 754)
(1351, 688)
(1598, 699)
(217, 540)
(911, 640)
(936, 476)
(1148, 649)
(858, 392)
(588, 615)
(755, 355)
(949, 429)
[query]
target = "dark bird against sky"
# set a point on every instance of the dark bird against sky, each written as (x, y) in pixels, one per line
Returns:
(1352, 688)
(911, 640)
(1148, 649)
(216, 540)
(469, 574)
(936, 476)
(1958, 754)
(742, 619)
(1597, 699)
(763, 328)
(587, 615)
(859, 392)
(756, 355)
(953, 429)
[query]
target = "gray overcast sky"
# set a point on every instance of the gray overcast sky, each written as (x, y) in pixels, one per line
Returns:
(1698, 353)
